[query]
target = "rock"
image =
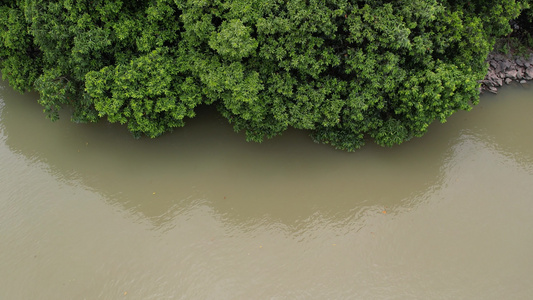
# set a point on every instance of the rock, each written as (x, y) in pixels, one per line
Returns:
(529, 73)
(520, 73)
(486, 82)
(520, 62)
(503, 70)
(511, 74)
(504, 65)
(491, 74)
(497, 57)
(495, 66)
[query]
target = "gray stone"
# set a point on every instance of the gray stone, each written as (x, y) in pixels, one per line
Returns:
(510, 65)
(491, 74)
(495, 66)
(511, 74)
(529, 72)
(503, 70)
(520, 73)
(486, 82)
(498, 57)
(520, 62)
(503, 65)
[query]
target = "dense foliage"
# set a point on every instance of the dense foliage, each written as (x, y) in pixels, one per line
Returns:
(520, 41)
(346, 70)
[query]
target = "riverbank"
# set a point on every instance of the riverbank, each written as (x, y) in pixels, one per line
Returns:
(505, 69)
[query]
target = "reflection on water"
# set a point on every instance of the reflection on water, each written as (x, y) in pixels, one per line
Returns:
(287, 179)
(90, 212)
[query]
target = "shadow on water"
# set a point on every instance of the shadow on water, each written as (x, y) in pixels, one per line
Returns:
(206, 165)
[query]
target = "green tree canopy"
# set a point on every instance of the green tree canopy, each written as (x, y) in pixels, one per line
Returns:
(347, 70)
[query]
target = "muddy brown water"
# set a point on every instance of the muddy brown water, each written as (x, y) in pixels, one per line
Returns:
(88, 212)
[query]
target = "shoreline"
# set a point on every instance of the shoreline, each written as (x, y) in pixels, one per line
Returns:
(505, 69)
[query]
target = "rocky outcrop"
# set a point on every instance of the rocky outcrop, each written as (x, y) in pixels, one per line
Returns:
(505, 70)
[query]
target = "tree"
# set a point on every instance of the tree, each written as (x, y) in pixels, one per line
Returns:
(347, 70)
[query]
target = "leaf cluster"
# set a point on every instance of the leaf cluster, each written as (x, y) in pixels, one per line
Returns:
(346, 70)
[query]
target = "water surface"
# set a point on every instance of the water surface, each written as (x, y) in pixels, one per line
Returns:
(88, 212)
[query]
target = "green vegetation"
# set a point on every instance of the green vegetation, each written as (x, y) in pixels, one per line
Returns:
(347, 70)
(520, 41)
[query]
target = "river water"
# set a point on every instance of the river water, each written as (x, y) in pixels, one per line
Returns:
(88, 212)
